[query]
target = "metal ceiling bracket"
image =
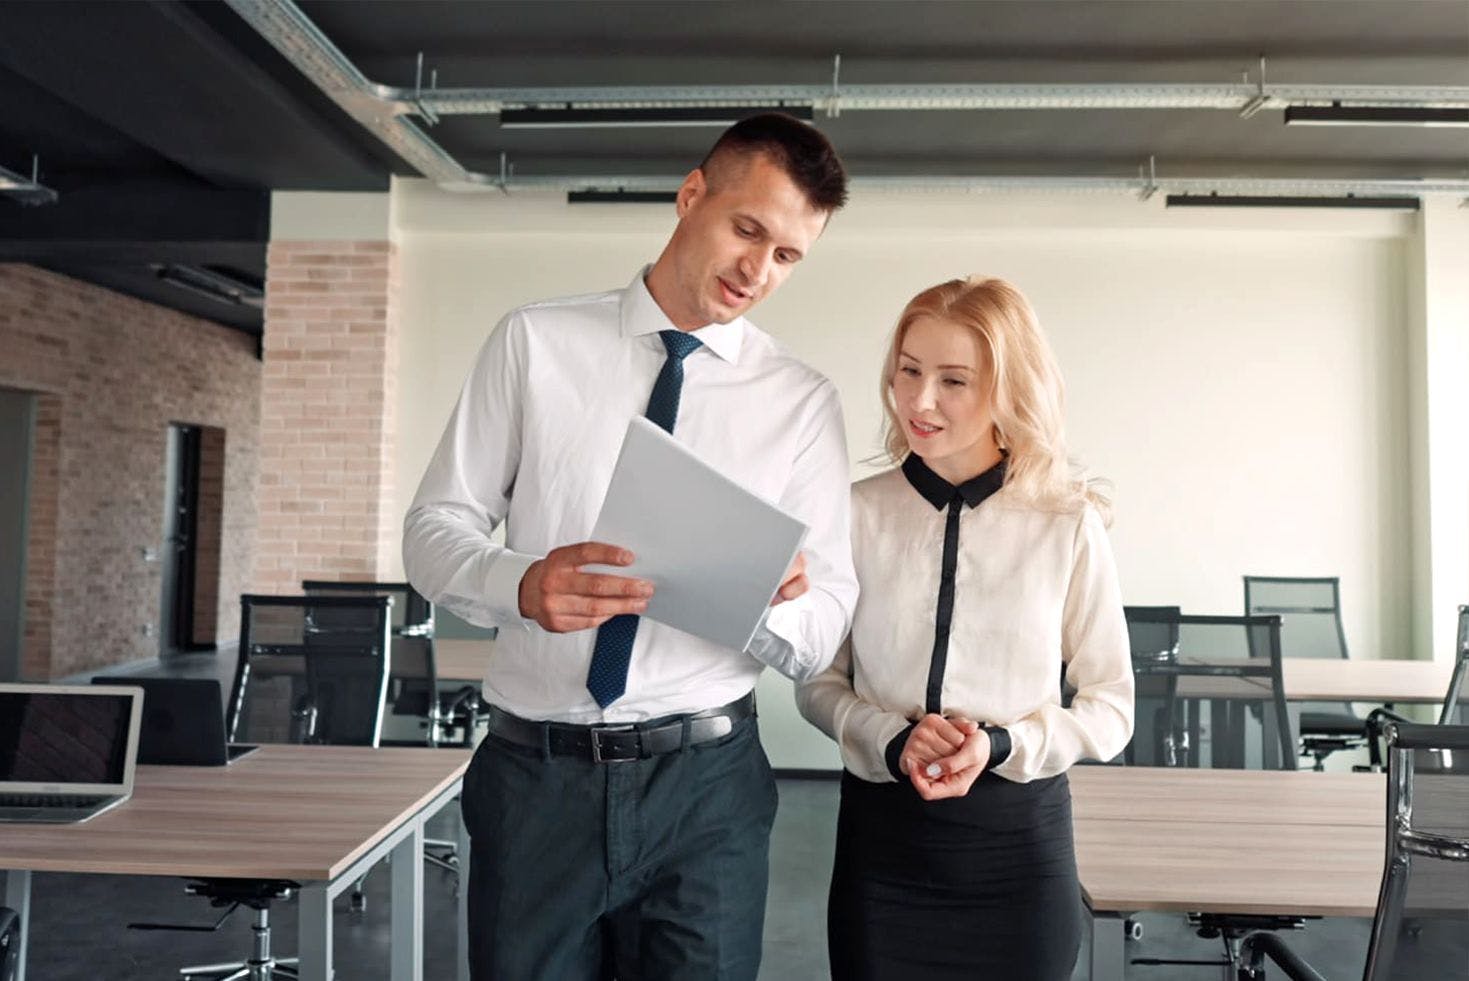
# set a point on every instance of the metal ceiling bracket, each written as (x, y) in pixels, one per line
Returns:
(428, 115)
(834, 103)
(1261, 99)
(1149, 177)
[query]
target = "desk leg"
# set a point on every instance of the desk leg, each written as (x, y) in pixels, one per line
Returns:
(461, 835)
(1105, 953)
(18, 897)
(406, 942)
(314, 947)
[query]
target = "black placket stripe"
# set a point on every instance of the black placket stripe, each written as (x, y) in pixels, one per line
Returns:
(944, 617)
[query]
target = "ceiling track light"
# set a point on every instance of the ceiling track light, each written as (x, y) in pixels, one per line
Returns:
(574, 117)
(1339, 115)
(620, 196)
(214, 285)
(1290, 201)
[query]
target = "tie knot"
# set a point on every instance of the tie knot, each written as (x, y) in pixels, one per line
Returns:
(679, 343)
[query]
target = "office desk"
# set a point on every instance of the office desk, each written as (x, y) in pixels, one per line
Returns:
(1310, 679)
(465, 660)
(321, 815)
(1222, 841)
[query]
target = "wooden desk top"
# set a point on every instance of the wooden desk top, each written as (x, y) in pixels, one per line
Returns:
(465, 660)
(1229, 841)
(1268, 867)
(289, 812)
(1321, 679)
(1329, 679)
(1175, 796)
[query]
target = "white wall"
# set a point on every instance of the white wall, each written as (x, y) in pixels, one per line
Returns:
(1242, 377)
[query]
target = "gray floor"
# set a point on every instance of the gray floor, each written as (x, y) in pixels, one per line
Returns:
(79, 922)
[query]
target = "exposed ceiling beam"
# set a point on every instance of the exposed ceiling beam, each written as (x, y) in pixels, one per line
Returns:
(93, 67)
(149, 213)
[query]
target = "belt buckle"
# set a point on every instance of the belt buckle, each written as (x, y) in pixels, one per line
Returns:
(596, 734)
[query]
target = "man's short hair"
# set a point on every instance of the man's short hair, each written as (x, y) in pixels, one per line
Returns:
(806, 156)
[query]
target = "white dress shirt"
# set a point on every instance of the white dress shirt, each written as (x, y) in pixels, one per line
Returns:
(1032, 590)
(533, 442)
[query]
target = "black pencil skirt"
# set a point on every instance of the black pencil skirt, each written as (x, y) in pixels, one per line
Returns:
(980, 887)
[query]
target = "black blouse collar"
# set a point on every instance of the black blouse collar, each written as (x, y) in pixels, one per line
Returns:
(939, 492)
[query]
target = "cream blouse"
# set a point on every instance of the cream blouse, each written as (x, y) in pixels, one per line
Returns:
(971, 602)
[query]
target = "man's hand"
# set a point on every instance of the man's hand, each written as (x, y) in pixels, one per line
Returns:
(795, 583)
(555, 593)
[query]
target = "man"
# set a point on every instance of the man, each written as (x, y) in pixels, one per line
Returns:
(620, 807)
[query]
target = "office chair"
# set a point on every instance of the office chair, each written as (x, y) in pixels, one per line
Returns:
(413, 677)
(9, 944)
(1221, 701)
(1215, 691)
(1310, 612)
(1455, 710)
(1421, 927)
(413, 687)
(310, 670)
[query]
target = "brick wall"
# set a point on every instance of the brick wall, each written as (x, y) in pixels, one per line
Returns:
(328, 402)
(113, 372)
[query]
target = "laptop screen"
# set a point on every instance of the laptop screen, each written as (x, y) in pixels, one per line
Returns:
(63, 737)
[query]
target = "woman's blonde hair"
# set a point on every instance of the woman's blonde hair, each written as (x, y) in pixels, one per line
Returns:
(1026, 394)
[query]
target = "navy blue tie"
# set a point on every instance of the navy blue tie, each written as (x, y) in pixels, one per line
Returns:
(607, 677)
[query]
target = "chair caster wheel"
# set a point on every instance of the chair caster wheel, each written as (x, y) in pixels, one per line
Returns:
(1132, 930)
(357, 903)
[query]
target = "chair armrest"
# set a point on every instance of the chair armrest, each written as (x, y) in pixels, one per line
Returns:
(457, 701)
(1255, 948)
(1377, 720)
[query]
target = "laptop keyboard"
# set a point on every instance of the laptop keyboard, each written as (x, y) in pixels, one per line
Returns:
(48, 800)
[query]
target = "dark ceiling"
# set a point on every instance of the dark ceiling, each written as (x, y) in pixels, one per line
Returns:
(165, 125)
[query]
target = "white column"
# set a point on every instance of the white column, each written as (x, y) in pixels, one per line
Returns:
(1438, 386)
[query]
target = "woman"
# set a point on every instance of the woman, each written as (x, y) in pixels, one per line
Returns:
(985, 568)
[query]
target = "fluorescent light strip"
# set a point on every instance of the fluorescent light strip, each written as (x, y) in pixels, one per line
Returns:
(1289, 201)
(1375, 116)
(572, 118)
(593, 196)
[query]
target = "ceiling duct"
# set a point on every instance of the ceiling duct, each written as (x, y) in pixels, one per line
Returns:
(26, 190)
(383, 111)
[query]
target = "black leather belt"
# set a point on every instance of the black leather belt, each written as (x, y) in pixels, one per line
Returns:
(620, 743)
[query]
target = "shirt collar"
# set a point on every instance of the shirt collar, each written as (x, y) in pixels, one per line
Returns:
(641, 315)
(939, 492)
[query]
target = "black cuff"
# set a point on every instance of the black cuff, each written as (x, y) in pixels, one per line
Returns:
(895, 750)
(999, 745)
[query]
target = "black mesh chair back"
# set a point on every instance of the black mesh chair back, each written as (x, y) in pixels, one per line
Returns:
(412, 672)
(279, 697)
(1456, 703)
(1218, 703)
(1421, 929)
(412, 613)
(1310, 620)
(344, 706)
(1309, 611)
(1152, 633)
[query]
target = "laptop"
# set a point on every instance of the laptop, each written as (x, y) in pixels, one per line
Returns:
(67, 752)
(183, 722)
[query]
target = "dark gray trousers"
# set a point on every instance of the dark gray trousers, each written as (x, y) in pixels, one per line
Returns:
(646, 869)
